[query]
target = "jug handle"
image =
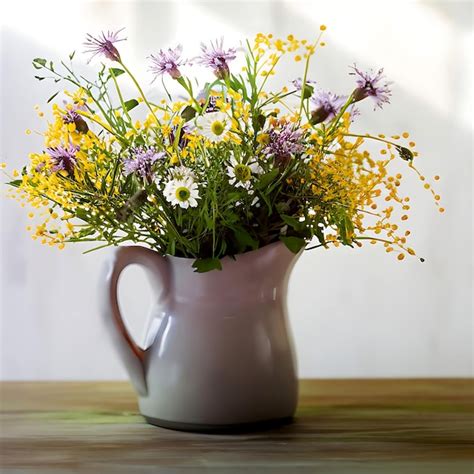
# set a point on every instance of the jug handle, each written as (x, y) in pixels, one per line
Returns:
(133, 356)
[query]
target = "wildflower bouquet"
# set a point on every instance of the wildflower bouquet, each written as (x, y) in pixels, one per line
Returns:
(228, 167)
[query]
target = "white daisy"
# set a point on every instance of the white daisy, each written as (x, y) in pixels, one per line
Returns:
(213, 125)
(182, 193)
(240, 174)
(183, 173)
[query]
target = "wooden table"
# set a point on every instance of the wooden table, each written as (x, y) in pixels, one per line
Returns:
(342, 426)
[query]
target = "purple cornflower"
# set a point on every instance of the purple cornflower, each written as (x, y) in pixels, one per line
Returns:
(327, 106)
(63, 158)
(283, 143)
(371, 84)
(104, 44)
(141, 160)
(167, 61)
(217, 58)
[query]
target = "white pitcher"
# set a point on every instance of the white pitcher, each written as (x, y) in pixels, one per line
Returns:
(219, 354)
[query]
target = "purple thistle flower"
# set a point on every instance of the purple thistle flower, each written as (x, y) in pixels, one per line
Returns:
(371, 84)
(283, 143)
(167, 61)
(63, 158)
(104, 44)
(141, 160)
(70, 116)
(217, 58)
(327, 104)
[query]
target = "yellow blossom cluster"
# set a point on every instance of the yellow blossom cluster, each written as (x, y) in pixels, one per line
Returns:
(367, 193)
(268, 50)
(53, 196)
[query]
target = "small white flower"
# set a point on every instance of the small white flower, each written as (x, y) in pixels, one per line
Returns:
(213, 125)
(183, 173)
(255, 202)
(182, 193)
(240, 174)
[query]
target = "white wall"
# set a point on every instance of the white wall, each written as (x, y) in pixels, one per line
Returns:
(354, 313)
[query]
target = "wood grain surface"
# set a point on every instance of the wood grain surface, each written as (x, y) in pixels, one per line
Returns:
(342, 426)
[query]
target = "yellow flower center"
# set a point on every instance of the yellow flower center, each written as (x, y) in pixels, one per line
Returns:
(182, 194)
(217, 127)
(242, 172)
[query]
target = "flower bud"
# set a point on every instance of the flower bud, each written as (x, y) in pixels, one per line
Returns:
(359, 94)
(319, 115)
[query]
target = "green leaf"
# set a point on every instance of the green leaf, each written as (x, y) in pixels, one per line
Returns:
(267, 178)
(52, 97)
(86, 232)
(40, 78)
(232, 218)
(130, 104)
(319, 233)
(15, 183)
(116, 71)
(268, 202)
(258, 122)
(293, 222)
(72, 55)
(346, 229)
(294, 244)
(244, 239)
(307, 91)
(188, 113)
(234, 82)
(233, 196)
(82, 214)
(39, 62)
(202, 265)
(171, 247)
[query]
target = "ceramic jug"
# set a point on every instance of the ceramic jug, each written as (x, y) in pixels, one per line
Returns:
(219, 353)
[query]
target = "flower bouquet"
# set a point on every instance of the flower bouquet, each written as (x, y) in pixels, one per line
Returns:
(229, 175)
(226, 168)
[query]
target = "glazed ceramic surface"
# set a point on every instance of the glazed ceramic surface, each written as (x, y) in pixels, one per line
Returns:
(218, 349)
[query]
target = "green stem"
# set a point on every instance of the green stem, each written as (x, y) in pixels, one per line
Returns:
(119, 92)
(336, 119)
(305, 76)
(140, 90)
(267, 76)
(371, 137)
(188, 88)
